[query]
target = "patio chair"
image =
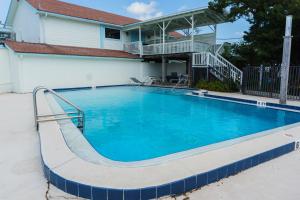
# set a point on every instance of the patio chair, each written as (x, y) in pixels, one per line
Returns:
(136, 81)
(154, 79)
(183, 79)
(148, 81)
(173, 78)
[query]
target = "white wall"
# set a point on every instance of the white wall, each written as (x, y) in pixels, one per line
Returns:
(69, 32)
(155, 69)
(5, 81)
(30, 70)
(180, 68)
(26, 23)
(114, 43)
(70, 71)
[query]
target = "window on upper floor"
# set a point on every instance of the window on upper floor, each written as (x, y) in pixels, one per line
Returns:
(112, 33)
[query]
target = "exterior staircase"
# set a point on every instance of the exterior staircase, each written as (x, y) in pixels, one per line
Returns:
(218, 66)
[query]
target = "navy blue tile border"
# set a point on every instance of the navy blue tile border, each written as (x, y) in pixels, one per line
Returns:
(231, 99)
(87, 88)
(274, 105)
(175, 188)
(283, 106)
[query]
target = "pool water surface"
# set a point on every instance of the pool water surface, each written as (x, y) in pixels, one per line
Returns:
(140, 123)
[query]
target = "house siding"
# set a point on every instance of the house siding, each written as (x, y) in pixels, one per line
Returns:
(69, 32)
(26, 23)
(114, 43)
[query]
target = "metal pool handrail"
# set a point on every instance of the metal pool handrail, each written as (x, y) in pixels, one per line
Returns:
(56, 117)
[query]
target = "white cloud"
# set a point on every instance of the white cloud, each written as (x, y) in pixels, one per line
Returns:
(239, 33)
(144, 11)
(182, 8)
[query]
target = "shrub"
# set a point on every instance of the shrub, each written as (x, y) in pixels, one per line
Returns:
(218, 86)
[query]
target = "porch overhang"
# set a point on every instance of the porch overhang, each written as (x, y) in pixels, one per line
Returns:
(202, 17)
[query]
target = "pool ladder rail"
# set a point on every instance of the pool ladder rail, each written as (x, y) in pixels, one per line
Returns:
(79, 114)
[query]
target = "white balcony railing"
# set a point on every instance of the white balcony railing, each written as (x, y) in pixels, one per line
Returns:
(168, 48)
(132, 47)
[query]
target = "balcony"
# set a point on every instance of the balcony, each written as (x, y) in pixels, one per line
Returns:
(186, 46)
(6, 34)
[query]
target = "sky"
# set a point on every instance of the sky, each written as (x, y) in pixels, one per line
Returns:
(145, 9)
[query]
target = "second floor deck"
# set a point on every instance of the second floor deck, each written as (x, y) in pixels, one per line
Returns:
(185, 46)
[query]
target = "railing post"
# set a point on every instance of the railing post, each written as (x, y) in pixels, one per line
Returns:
(207, 59)
(140, 41)
(164, 36)
(193, 32)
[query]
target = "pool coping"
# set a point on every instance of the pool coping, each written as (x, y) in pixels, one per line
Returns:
(174, 177)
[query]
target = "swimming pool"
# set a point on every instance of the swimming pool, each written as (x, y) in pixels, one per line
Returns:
(139, 123)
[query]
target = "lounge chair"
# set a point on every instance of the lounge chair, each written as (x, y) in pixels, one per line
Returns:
(183, 79)
(153, 80)
(136, 81)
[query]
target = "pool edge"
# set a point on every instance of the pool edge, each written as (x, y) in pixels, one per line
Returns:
(178, 187)
(170, 189)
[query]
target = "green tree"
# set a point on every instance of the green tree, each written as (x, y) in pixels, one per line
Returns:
(263, 42)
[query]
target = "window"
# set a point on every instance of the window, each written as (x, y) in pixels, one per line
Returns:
(112, 33)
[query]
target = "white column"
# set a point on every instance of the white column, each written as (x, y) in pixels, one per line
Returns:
(164, 69)
(140, 41)
(215, 38)
(160, 36)
(164, 36)
(286, 60)
(193, 32)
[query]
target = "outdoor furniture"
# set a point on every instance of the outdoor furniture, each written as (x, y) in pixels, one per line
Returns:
(149, 80)
(183, 79)
(173, 78)
(154, 79)
(136, 81)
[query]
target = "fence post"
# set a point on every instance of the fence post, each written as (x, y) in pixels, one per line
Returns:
(260, 76)
(286, 60)
(244, 81)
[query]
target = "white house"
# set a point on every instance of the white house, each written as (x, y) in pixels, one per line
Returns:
(62, 45)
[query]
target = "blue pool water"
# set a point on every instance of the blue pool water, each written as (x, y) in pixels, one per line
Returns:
(139, 123)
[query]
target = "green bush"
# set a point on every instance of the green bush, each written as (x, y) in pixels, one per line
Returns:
(218, 86)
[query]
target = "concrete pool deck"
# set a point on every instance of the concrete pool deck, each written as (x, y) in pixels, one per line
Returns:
(28, 182)
(21, 172)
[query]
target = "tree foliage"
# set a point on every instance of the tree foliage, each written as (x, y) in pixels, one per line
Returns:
(263, 42)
